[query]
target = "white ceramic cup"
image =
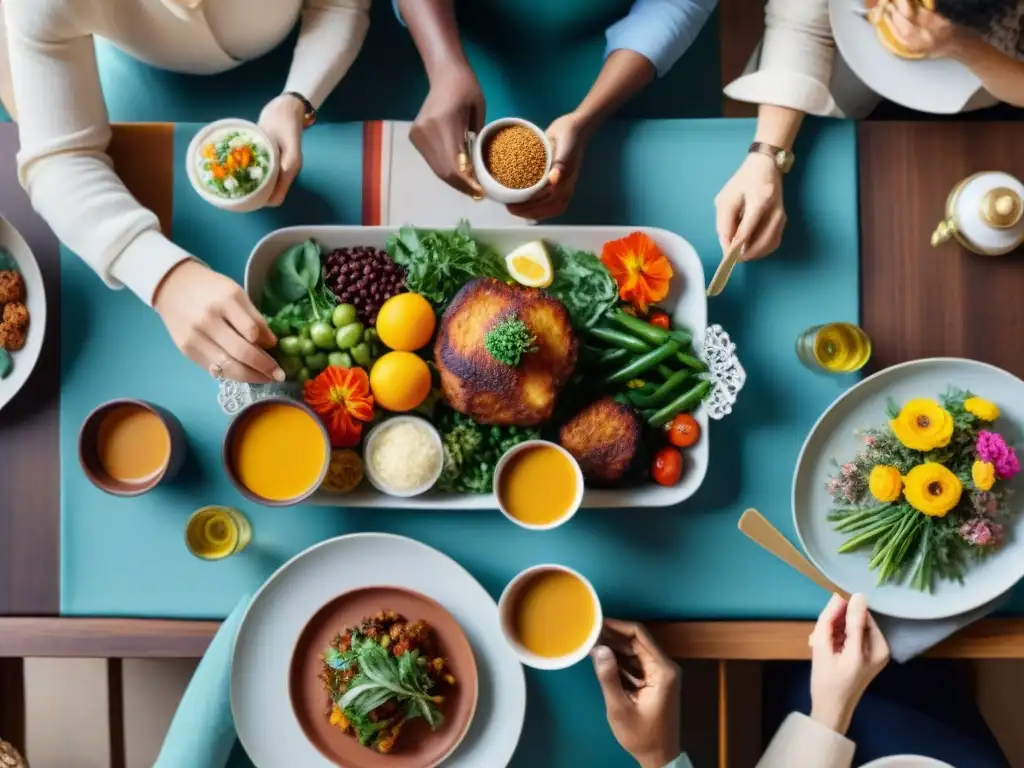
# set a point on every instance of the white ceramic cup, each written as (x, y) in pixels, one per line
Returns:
(368, 446)
(506, 607)
(498, 192)
(503, 462)
(251, 202)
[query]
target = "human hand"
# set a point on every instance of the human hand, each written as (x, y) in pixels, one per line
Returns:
(749, 209)
(641, 693)
(213, 322)
(568, 137)
(283, 120)
(921, 31)
(847, 651)
(454, 106)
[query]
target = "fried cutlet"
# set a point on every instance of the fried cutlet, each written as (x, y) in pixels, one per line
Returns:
(604, 438)
(12, 286)
(12, 338)
(16, 314)
(490, 392)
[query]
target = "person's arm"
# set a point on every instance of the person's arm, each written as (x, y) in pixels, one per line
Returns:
(801, 741)
(64, 166)
(1001, 75)
(455, 103)
(64, 134)
(660, 30)
(330, 37)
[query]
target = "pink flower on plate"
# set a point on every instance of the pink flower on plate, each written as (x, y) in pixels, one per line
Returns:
(870, 439)
(848, 469)
(833, 485)
(991, 447)
(981, 533)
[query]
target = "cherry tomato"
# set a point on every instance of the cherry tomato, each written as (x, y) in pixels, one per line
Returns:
(668, 466)
(661, 320)
(683, 431)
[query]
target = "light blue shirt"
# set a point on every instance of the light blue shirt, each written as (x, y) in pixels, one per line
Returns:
(661, 30)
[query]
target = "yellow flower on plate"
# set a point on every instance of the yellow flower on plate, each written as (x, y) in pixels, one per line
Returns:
(984, 409)
(885, 483)
(923, 425)
(932, 489)
(983, 473)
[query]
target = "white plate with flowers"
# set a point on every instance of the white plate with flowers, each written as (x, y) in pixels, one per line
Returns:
(904, 488)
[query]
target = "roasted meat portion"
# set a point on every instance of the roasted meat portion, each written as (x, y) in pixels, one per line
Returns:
(491, 392)
(604, 438)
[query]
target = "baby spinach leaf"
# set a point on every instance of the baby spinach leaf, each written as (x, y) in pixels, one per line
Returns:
(5, 363)
(7, 261)
(295, 272)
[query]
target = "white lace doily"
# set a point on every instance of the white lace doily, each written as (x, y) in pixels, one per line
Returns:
(724, 371)
(233, 396)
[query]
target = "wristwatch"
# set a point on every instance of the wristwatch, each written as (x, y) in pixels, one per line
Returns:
(783, 157)
(309, 115)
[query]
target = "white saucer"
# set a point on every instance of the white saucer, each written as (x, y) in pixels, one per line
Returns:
(35, 299)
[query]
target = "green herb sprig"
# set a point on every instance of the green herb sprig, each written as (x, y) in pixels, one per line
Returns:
(509, 340)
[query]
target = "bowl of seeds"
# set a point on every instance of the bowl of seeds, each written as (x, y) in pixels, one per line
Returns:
(511, 159)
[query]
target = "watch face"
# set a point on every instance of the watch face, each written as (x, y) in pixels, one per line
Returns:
(784, 160)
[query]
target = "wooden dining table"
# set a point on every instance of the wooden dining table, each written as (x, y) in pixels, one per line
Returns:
(915, 301)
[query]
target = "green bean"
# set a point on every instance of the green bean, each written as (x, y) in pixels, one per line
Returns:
(643, 363)
(613, 356)
(662, 393)
(619, 339)
(691, 362)
(647, 331)
(665, 371)
(685, 402)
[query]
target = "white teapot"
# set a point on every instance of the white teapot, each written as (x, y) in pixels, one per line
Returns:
(985, 214)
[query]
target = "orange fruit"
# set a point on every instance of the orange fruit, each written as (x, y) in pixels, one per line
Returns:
(405, 322)
(400, 381)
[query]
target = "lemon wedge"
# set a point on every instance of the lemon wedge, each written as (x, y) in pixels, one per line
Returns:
(530, 265)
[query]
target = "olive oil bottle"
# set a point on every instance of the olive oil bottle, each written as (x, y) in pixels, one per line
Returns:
(834, 348)
(214, 533)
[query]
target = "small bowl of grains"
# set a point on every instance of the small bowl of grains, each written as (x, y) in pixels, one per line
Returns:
(511, 160)
(233, 165)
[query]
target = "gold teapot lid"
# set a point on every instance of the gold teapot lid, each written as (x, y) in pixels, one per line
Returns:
(1002, 207)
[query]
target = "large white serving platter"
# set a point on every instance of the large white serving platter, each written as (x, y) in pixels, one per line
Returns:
(686, 295)
(833, 436)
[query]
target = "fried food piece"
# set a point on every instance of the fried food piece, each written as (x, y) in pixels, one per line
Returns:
(489, 392)
(16, 314)
(12, 287)
(604, 438)
(12, 338)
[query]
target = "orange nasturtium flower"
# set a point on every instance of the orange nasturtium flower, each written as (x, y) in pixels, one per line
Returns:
(639, 267)
(341, 397)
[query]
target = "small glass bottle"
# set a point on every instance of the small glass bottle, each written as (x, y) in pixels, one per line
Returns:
(834, 348)
(216, 532)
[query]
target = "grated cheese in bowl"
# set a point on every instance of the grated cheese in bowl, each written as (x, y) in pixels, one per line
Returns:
(403, 456)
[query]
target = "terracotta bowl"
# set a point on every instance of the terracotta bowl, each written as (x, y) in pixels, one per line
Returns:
(232, 431)
(88, 454)
(417, 746)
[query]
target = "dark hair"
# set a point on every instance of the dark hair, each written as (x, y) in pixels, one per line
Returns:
(979, 15)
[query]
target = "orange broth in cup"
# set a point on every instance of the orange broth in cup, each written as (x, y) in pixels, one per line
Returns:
(132, 444)
(538, 486)
(278, 451)
(553, 615)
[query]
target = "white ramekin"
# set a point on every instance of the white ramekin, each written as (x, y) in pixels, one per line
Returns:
(498, 192)
(371, 438)
(506, 605)
(499, 469)
(251, 202)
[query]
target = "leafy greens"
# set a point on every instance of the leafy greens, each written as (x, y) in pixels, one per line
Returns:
(380, 678)
(7, 262)
(582, 284)
(440, 262)
(295, 295)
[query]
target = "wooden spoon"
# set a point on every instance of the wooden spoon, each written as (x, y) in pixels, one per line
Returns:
(757, 528)
(725, 269)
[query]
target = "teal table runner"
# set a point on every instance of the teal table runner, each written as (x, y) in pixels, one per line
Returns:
(127, 557)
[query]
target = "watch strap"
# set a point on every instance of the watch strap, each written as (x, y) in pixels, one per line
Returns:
(309, 111)
(783, 157)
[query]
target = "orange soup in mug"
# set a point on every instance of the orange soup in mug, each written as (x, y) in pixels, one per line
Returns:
(132, 444)
(278, 451)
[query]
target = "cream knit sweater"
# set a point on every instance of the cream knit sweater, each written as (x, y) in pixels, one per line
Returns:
(62, 118)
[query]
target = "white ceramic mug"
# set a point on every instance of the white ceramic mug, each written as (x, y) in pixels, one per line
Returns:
(514, 451)
(498, 192)
(506, 607)
(251, 202)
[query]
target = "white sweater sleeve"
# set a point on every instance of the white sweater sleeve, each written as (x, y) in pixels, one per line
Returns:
(804, 743)
(64, 135)
(330, 37)
(793, 67)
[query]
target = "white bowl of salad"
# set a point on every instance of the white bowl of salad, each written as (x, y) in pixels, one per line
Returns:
(233, 165)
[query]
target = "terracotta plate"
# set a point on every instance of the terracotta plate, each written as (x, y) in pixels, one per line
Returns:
(418, 746)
